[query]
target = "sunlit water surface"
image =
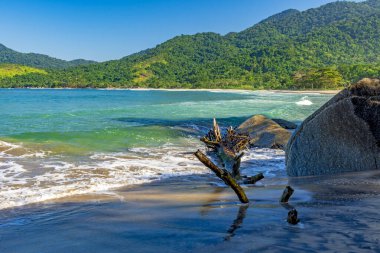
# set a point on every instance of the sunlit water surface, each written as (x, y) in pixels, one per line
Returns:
(62, 152)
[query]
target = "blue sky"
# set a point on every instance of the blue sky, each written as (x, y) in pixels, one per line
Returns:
(110, 29)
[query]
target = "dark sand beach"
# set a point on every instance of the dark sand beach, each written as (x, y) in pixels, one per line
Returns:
(197, 214)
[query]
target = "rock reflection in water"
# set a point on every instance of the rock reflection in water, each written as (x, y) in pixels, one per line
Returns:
(348, 186)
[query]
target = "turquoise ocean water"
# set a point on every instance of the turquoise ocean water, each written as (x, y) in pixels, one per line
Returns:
(58, 143)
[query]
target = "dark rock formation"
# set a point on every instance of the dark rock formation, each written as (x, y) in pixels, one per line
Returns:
(264, 132)
(342, 136)
(285, 124)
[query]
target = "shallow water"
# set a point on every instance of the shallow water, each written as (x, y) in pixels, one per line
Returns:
(194, 214)
(58, 143)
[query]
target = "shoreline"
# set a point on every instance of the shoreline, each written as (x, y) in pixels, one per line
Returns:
(325, 92)
(240, 90)
(199, 214)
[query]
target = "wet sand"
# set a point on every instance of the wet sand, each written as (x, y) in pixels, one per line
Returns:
(197, 214)
(328, 92)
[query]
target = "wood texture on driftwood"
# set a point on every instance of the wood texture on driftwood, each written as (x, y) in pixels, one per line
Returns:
(253, 179)
(292, 214)
(288, 191)
(293, 217)
(228, 147)
(224, 175)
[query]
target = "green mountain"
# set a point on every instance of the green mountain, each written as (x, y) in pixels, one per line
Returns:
(10, 70)
(8, 55)
(323, 48)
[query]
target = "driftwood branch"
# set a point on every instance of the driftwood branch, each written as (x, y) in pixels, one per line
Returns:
(218, 136)
(229, 149)
(288, 191)
(224, 175)
(212, 144)
(254, 179)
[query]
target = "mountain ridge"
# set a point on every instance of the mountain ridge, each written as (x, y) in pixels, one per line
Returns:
(8, 55)
(324, 47)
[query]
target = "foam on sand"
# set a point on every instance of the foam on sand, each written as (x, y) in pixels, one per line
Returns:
(27, 181)
(29, 178)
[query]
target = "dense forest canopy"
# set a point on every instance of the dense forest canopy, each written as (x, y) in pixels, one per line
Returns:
(321, 48)
(8, 55)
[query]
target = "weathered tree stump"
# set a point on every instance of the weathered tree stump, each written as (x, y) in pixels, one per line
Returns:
(293, 217)
(292, 214)
(229, 149)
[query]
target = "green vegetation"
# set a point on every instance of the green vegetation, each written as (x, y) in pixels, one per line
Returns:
(11, 70)
(37, 60)
(322, 48)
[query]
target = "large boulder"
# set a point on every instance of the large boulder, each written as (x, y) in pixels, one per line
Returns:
(285, 124)
(264, 132)
(342, 136)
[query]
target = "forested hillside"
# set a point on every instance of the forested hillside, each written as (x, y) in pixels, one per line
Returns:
(322, 48)
(8, 55)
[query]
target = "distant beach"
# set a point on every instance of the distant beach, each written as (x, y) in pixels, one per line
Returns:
(329, 92)
(244, 90)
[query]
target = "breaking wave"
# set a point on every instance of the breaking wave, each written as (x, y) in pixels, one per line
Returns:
(304, 101)
(30, 177)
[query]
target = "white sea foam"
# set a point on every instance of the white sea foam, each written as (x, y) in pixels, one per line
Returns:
(304, 101)
(214, 105)
(55, 178)
(39, 154)
(6, 146)
(270, 162)
(7, 149)
(34, 179)
(10, 170)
